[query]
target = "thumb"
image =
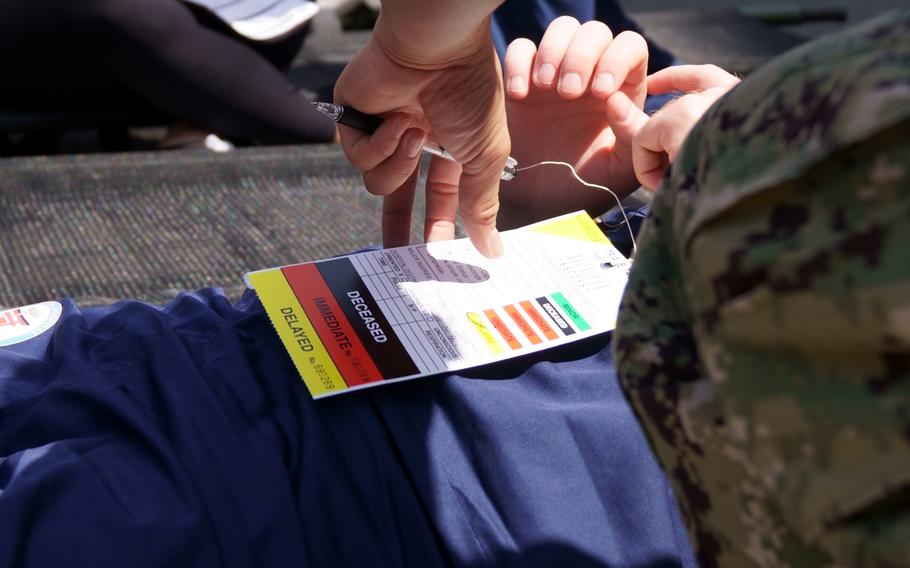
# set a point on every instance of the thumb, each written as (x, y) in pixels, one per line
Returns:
(625, 118)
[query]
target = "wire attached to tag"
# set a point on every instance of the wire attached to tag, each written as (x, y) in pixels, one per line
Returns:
(592, 185)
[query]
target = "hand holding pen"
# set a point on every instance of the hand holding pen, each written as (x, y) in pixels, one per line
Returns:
(368, 123)
(464, 104)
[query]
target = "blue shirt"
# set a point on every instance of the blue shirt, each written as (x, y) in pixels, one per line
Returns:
(137, 435)
(530, 18)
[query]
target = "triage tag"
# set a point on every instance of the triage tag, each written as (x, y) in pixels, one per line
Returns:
(389, 315)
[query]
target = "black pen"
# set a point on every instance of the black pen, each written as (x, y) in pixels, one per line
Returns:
(369, 123)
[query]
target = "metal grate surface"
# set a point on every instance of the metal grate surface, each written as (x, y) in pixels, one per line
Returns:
(100, 228)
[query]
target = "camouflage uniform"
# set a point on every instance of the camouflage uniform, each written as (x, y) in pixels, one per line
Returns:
(764, 339)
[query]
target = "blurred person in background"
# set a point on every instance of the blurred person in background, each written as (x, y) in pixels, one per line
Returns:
(221, 69)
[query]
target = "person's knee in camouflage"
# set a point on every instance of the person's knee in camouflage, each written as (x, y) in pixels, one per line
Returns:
(764, 339)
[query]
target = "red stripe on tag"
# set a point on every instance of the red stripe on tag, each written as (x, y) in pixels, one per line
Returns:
(330, 323)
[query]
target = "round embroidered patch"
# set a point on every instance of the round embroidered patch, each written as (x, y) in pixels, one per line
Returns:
(21, 324)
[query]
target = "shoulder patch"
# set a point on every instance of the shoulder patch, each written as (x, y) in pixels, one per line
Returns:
(21, 324)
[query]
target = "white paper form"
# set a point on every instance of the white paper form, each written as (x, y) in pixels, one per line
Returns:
(395, 314)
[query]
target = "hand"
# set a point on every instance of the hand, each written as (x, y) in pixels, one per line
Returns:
(656, 140)
(557, 110)
(456, 97)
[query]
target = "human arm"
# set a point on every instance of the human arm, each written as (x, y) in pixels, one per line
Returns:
(430, 69)
(430, 34)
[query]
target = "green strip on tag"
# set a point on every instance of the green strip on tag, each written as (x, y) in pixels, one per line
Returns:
(570, 311)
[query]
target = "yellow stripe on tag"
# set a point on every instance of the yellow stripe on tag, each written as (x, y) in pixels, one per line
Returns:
(577, 226)
(309, 355)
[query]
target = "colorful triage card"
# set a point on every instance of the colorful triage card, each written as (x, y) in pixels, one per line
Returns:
(388, 315)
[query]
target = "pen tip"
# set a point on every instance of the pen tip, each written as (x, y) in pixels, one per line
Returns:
(332, 110)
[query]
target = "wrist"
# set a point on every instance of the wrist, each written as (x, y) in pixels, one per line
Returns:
(431, 47)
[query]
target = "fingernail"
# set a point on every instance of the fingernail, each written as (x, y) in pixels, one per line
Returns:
(494, 244)
(570, 83)
(414, 143)
(400, 128)
(440, 233)
(517, 84)
(604, 82)
(546, 73)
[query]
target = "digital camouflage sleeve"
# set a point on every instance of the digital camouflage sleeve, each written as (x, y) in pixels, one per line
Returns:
(764, 338)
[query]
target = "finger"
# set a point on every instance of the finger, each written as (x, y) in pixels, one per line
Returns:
(657, 143)
(625, 117)
(442, 200)
(623, 66)
(396, 213)
(365, 151)
(688, 78)
(391, 173)
(682, 115)
(649, 160)
(649, 156)
(552, 49)
(478, 195)
(518, 62)
(650, 167)
(581, 57)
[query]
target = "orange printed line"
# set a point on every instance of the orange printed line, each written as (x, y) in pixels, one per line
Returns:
(538, 320)
(522, 324)
(502, 329)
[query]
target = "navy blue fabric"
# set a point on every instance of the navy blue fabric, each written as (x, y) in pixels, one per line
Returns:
(136, 435)
(613, 224)
(530, 18)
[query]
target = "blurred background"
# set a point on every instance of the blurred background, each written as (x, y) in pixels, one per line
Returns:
(155, 146)
(736, 35)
